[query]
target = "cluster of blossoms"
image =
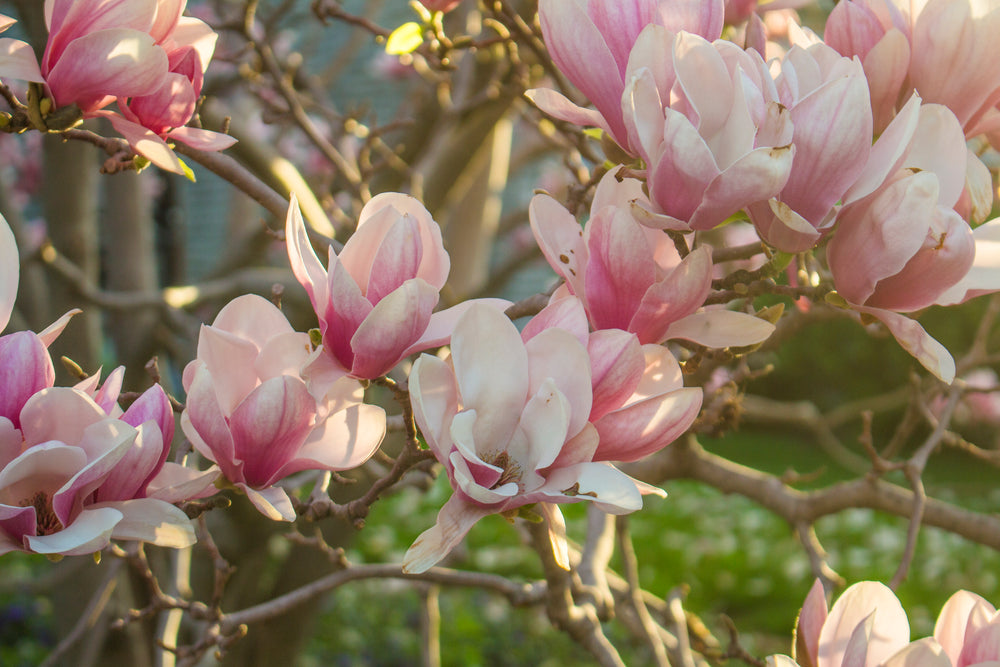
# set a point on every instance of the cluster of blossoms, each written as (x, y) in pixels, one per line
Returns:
(144, 55)
(867, 627)
(855, 144)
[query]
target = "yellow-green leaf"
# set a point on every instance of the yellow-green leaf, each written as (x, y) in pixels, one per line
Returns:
(405, 39)
(187, 170)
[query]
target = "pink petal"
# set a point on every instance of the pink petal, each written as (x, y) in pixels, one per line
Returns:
(9, 268)
(891, 629)
(983, 645)
(984, 276)
(680, 293)
(682, 170)
(230, 359)
(51, 332)
(886, 66)
(59, 413)
(393, 325)
(152, 405)
(922, 653)
(607, 487)
(833, 130)
(147, 143)
(760, 174)
(878, 236)
(453, 522)
(343, 441)
(702, 17)
(17, 61)
(721, 328)
(108, 63)
(616, 365)
(25, 369)
(269, 427)
(647, 426)
(342, 314)
(950, 627)
(931, 354)
(176, 483)
(939, 147)
(780, 226)
(556, 105)
(434, 397)
(203, 140)
(887, 153)
(542, 429)
(89, 532)
(560, 238)
(153, 521)
(442, 323)
(396, 259)
(566, 313)
(305, 265)
(206, 427)
(558, 356)
(809, 625)
(580, 52)
(944, 260)
(273, 502)
(491, 367)
(620, 268)
(70, 20)
(128, 478)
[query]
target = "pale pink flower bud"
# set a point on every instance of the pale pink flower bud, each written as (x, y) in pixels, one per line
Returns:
(376, 301)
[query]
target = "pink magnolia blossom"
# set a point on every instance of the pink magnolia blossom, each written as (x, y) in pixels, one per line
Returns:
(263, 405)
(628, 276)
(940, 48)
(509, 420)
(828, 102)
(52, 478)
(899, 244)
(591, 42)
(144, 471)
(375, 302)
(141, 52)
(866, 627)
(968, 630)
(96, 51)
(706, 119)
(640, 404)
(147, 121)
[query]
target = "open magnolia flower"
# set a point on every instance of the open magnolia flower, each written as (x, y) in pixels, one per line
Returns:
(628, 276)
(509, 420)
(63, 479)
(263, 405)
(143, 54)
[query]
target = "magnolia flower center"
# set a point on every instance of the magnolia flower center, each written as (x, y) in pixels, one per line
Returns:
(46, 521)
(511, 469)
